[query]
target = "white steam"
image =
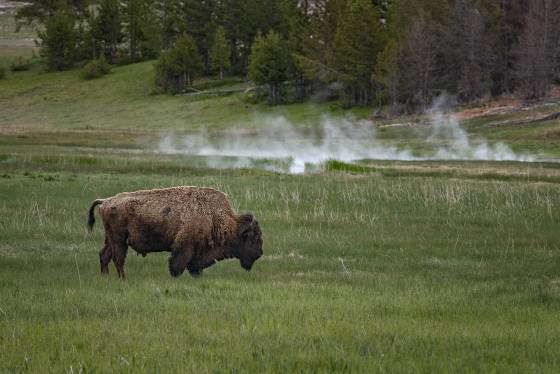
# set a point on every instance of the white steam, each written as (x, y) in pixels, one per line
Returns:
(456, 145)
(279, 145)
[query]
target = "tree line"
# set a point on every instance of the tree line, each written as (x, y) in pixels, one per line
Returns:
(401, 53)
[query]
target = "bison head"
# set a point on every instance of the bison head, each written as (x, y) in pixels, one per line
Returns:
(249, 243)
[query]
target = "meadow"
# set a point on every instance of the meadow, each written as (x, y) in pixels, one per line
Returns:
(373, 267)
(360, 274)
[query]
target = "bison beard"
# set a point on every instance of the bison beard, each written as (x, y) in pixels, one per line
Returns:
(196, 224)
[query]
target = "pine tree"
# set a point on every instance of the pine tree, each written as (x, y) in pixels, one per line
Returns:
(177, 68)
(324, 19)
(107, 27)
(197, 20)
(40, 11)
(270, 64)
(510, 22)
(465, 52)
(185, 53)
(151, 42)
(231, 16)
(59, 40)
(538, 48)
(358, 39)
(132, 11)
(402, 13)
(418, 68)
(220, 51)
(386, 74)
(168, 20)
(409, 71)
(141, 29)
(302, 42)
(245, 19)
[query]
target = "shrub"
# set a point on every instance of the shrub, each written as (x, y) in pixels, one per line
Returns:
(20, 64)
(2, 72)
(96, 68)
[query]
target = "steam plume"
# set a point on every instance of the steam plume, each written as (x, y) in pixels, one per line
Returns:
(289, 148)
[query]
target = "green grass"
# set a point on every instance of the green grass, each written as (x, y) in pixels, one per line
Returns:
(364, 274)
(335, 165)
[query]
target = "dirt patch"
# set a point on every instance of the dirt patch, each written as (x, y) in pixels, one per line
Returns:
(404, 124)
(500, 106)
(508, 105)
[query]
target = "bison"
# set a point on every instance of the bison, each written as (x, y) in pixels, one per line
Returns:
(196, 224)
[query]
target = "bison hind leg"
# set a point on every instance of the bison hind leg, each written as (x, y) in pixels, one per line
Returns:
(178, 261)
(105, 257)
(119, 249)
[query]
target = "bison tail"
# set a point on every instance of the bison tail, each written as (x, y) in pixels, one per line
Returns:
(91, 217)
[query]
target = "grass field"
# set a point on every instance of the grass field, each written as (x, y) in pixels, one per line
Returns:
(359, 274)
(379, 266)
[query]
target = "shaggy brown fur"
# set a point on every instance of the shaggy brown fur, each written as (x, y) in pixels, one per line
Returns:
(196, 224)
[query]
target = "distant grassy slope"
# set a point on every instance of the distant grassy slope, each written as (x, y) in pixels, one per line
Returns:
(123, 100)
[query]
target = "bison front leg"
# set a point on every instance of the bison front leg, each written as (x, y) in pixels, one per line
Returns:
(179, 259)
(105, 257)
(194, 269)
